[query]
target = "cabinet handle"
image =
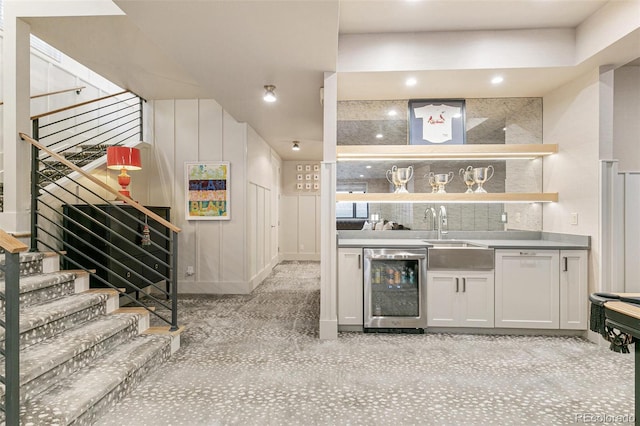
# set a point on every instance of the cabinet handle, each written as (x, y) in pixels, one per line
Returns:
(128, 274)
(565, 263)
(457, 284)
(464, 285)
(527, 253)
(359, 261)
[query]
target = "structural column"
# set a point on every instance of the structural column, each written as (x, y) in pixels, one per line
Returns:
(328, 248)
(16, 153)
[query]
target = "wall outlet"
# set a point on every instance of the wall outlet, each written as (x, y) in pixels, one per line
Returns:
(504, 218)
(190, 271)
(573, 220)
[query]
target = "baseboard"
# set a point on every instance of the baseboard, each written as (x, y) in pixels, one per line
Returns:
(260, 276)
(301, 256)
(328, 329)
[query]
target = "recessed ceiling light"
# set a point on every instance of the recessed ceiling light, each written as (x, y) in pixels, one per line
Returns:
(393, 113)
(379, 136)
(497, 80)
(411, 81)
(296, 146)
(368, 167)
(361, 175)
(269, 93)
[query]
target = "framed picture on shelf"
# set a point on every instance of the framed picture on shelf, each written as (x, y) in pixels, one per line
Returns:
(316, 186)
(308, 176)
(299, 177)
(299, 185)
(316, 176)
(299, 167)
(316, 167)
(307, 186)
(307, 168)
(207, 190)
(437, 122)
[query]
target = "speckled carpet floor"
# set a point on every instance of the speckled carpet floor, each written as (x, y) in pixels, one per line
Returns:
(257, 360)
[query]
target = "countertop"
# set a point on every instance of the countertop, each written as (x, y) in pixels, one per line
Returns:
(497, 244)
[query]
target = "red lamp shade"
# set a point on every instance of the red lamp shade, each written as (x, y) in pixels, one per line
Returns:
(123, 158)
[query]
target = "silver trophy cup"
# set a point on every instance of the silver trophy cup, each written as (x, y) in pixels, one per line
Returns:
(482, 175)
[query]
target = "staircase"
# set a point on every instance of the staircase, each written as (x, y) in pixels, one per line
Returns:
(79, 352)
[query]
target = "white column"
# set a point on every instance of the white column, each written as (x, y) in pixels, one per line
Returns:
(16, 82)
(328, 248)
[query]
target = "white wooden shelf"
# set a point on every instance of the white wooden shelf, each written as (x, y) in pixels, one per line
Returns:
(443, 152)
(533, 197)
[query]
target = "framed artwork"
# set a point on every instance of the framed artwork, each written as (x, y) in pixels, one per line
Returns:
(307, 176)
(207, 190)
(299, 177)
(316, 167)
(307, 168)
(316, 176)
(437, 121)
(307, 186)
(299, 185)
(299, 167)
(316, 186)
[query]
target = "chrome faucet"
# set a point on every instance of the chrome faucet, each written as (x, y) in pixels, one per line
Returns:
(433, 217)
(443, 227)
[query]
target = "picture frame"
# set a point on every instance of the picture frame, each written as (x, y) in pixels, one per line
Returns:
(307, 168)
(307, 185)
(307, 176)
(299, 167)
(316, 167)
(207, 190)
(316, 176)
(316, 186)
(437, 122)
(299, 185)
(299, 177)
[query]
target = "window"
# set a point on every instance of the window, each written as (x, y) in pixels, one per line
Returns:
(345, 210)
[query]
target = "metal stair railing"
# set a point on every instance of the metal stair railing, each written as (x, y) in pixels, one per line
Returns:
(75, 242)
(11, 324)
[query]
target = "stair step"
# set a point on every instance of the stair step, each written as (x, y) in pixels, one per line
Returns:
(43, 364)
(39, 322)
(30, 264)
(83, 396)
(36, 289)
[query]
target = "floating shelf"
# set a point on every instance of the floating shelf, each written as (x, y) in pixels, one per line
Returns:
(534, 197)
(443, 152)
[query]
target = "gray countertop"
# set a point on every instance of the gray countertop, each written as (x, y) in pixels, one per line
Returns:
(497, 240)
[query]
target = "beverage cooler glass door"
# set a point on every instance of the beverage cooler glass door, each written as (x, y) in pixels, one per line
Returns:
(394, 293)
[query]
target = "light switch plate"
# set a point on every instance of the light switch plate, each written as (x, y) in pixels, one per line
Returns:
(574, 219)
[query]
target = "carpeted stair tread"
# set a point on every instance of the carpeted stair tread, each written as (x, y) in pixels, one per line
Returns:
(30, 263)
(41, 314)
(71, 397)
(37, 282)
(48, 355)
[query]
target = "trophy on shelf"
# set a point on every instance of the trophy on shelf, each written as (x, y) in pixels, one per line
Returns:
(439, 180)
(467, 177)
(404, 176)
(392, 177)
(480, 176)
(432, 182)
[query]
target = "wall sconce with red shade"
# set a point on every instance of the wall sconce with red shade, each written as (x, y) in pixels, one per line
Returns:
(123, 158)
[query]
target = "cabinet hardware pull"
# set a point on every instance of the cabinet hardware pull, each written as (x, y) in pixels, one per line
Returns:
(565, 262)
(457, 285)
(464, 285)
(128, 274)
(527, 253)
(359, 262)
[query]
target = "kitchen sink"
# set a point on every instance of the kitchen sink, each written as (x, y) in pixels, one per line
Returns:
(452, 244)
(459, 255)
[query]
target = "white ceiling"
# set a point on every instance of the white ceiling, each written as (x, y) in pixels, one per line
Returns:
(229, 49)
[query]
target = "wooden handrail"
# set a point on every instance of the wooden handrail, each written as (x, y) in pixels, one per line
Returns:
(73, 89)
(55, 111)
(101, 184)
(10, 244)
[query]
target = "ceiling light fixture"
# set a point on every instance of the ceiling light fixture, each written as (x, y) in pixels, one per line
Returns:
(393, 113)
(411, 81)
(497, 80)
(379, 136)
(269, 94)
(296, 146)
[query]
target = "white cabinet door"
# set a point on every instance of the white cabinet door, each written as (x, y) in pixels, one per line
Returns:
(527, 289)
(460, 298)
(574, 300)
(350, 290)
(477, 301)
(442, 298)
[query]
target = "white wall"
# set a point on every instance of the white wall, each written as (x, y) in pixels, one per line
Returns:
(626, 118)
(300, 210)
(228, 256)
(571, 120)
